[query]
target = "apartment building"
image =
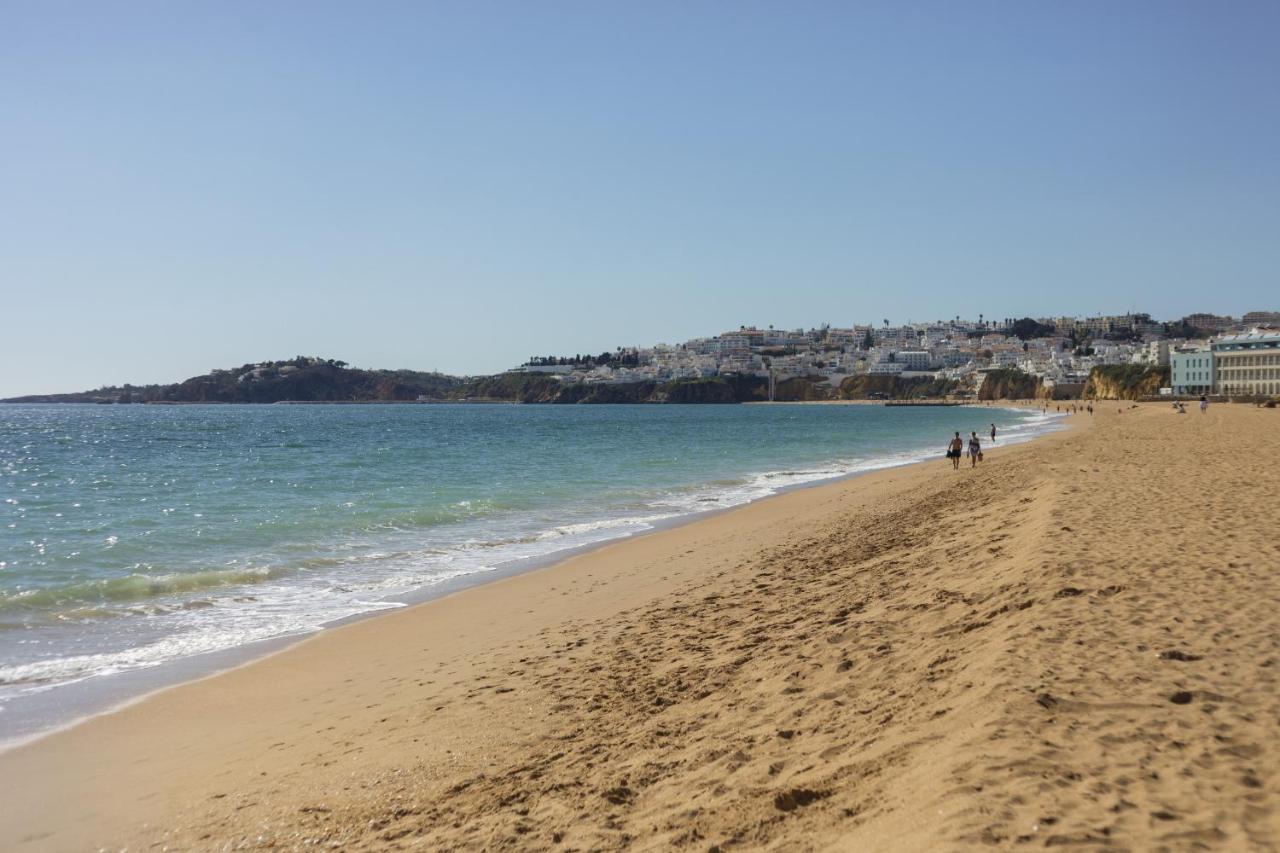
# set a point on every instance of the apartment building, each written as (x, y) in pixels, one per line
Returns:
(914, 359)
(1247, 363)
(1191, 371)
(734, 345)
(1152, 352)
(1210, 322)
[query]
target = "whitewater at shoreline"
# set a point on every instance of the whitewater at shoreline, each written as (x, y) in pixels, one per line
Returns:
(818, 669)
(49, 695)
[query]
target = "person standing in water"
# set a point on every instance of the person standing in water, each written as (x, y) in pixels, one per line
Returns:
(975, 449)
(954, 450)
(993, 433)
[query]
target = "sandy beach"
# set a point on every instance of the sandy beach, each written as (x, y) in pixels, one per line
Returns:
(1076, 644)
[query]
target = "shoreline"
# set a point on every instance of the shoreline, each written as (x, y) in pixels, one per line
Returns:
(1002, 652)
(104, 695)
(917, 658)
(95, 696)
(170, 735)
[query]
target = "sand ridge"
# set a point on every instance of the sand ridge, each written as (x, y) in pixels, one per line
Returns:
(1075, 644)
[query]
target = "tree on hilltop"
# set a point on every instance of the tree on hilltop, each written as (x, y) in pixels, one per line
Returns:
(1027, 328)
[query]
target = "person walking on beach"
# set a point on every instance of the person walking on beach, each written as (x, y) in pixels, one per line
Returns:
(993, 433)
(953, 452)
(975, 449)
(1204, 404)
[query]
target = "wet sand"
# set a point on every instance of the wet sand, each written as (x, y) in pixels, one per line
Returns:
(1077, 643)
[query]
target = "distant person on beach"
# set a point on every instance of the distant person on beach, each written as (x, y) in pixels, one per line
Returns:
(975, 449)
(1204, 404)
(954, 450)
(993, 433)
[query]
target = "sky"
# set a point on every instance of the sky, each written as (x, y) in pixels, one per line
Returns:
(457, 186)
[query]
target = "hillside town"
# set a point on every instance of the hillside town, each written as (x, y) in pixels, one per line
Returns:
(1205, 353)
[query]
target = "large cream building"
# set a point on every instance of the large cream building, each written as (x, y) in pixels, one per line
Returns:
(1247, 363)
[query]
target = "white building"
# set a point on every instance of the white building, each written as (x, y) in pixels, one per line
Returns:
(543, 368)
(1248, 363)
(1152, 352)
(914, 359)
(1006, 357)
(734, 344)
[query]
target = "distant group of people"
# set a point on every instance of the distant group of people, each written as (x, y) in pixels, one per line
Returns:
(1181, 407)
(1072, 408)
(956, 449)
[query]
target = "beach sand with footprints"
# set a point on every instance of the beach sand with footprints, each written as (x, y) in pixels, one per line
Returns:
(1077, 643)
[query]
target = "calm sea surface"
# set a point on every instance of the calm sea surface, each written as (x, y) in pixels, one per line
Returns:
(135, 536)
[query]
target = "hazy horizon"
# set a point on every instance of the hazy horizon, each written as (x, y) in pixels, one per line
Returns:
(455, 187)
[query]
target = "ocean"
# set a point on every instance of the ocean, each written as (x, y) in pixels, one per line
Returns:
(144, 544)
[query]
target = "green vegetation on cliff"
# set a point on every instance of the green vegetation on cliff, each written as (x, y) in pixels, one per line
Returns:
(301, 379)
(1026, 329)
(1125, 381)
(867, 387)
(598, 392)
(512, 387)
(314, 380)
(541, 388)
(698, 391)
(1010, 384)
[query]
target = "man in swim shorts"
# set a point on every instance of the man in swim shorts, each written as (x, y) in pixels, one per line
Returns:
(953, 452)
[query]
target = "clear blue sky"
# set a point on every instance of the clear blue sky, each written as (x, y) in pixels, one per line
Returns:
(459, 185)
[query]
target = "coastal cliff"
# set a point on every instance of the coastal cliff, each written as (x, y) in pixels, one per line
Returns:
(1125, 382)
(308, 379)
(301, 379)
(865, 386)
(540, 388)
(1011, 385)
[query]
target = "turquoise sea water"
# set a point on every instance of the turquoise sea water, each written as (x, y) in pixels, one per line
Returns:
(135, 536)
